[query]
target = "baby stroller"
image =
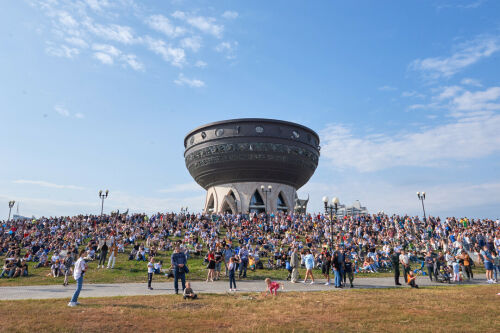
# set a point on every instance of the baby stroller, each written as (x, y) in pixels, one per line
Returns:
(444, 275)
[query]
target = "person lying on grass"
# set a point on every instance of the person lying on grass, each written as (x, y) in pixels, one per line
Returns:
(272, 287)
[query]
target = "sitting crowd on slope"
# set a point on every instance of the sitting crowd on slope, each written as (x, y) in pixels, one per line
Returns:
(446, 247)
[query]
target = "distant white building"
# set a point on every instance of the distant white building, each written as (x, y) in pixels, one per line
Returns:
(353, 210)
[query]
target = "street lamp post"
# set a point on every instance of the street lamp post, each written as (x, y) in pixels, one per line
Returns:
(103, 195)
(330, 209)
(421, 197)
(11, 204)
(266, 191)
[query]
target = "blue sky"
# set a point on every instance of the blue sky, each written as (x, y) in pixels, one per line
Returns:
(99, 94)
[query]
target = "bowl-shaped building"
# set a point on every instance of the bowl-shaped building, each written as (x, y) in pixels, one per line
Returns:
(251, 165)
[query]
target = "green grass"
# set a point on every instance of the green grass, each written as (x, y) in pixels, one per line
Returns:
(133, 271)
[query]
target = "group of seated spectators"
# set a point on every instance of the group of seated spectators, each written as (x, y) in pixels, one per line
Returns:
(258, 240)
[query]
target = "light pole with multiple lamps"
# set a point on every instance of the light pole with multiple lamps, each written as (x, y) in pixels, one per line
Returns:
(330, 209)
(421, 197)
(266, 191)
(11, 204)
(103, 195)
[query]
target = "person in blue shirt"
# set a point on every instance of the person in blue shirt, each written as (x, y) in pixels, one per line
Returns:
(243, 254)
(179, 267)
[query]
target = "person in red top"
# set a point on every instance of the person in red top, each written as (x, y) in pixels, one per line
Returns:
(211, 266)
(272, 287)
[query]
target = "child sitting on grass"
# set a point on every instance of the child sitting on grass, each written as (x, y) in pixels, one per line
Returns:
(272, 287)
(189, 293)
(412, 280)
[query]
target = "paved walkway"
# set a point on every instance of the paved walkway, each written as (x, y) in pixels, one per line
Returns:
(218, 287)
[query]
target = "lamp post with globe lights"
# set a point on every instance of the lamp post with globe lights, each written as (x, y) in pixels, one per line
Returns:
(103, 195)
(11, 204)
(266, 191)
(421, 197)
(330, 209)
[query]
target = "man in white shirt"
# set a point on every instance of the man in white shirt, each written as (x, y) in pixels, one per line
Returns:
(405, 262)
(78, 272)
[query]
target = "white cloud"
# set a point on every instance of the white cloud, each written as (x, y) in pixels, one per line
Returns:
(473, 133)
(115, 32)
(104, 58)
(62, 110)
(204, 24)
(230, 15)
(62, 51)
(98, 5)
(228, 48)
(107, 54)
(163, 24)
(195, 83)
(78, 42)
(187, 187)
(387, 88)
(200, 63)
(106, 48)
(46, 184)
(79, 115)
(193, 43)
(466, 55)
(175, 56)
(67, 20)
(131, 60)
(412, 93)
(471, 82)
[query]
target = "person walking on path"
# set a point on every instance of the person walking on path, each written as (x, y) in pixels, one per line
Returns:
(309, 261)
(325, 265)
(151, 270)
(78, 273)
(395, 266)
(178, 261)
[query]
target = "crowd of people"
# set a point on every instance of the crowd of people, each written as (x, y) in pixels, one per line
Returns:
(443, 249)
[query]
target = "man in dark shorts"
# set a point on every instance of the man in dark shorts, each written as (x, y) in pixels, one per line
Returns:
(349, 270)
(325, 265)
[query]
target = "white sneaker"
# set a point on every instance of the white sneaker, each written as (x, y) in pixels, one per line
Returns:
(327, 284)
(312, 282)
(72, 304)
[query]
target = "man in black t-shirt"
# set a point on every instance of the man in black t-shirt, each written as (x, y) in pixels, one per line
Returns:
(395, 266)
(348, 269)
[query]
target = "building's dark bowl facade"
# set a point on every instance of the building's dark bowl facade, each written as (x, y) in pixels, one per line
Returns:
(251, 150)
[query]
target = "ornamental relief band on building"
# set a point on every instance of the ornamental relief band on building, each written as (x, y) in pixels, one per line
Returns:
(252, 147)
(252, 156)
